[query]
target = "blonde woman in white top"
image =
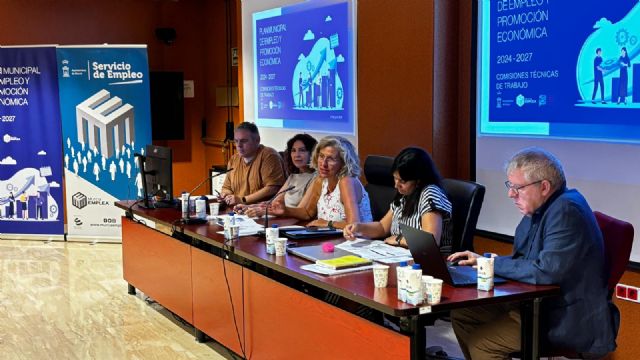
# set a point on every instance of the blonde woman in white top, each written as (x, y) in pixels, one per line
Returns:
(336, 197)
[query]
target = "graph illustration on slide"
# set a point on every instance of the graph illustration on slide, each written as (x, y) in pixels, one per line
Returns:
(315, 81)
(608, 69)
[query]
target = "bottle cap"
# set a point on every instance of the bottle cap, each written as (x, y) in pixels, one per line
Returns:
(403, 263)
(416, 267)
(203, 197)
(274, 225)
(231, 213)
(488, 255)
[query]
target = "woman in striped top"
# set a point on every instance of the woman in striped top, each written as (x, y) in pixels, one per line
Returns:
(420, 202)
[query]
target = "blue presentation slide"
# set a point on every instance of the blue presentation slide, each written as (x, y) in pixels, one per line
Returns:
(560, 68)
(303, 67)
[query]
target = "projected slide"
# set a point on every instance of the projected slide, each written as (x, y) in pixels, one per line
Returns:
(560, 68)
(303, 67)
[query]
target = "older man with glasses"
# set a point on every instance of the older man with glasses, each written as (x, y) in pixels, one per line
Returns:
(557, 242)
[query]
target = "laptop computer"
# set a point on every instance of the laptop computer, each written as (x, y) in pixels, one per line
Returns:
(310, 233)
(425, 251)
(315, 252)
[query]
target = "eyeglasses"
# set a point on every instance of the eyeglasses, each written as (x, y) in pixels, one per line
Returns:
(329, 160)
(517, 188)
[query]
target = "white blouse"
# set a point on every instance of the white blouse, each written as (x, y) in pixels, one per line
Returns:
(331, 208)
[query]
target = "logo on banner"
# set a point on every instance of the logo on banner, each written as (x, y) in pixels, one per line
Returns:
(65, 68)
(79, 200)
(90, 114)
(121, 71)
(8, 138)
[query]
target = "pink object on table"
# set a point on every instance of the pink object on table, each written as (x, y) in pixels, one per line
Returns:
(328, 247)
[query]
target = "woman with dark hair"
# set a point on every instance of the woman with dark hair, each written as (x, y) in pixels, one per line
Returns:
(625, 63)
(420, 202)
(297, 157)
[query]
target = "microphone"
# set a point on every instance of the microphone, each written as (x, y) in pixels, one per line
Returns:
(266, 210)
(222, 172)
(192, 221)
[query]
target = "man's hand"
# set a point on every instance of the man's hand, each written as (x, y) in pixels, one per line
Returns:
(232, 200)
(464, 257)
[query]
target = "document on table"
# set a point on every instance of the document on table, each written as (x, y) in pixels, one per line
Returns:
(323, 270)
(247, 225)
(376, 250)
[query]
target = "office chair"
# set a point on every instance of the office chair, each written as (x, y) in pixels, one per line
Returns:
(466, 200)
(617, 236)
(377, 171)
(618, 240)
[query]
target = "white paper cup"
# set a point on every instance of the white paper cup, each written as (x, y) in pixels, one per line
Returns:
(281, 246)
(234, 231)
(434, 291)
(425, 288)
(380, 275)
(214, 209)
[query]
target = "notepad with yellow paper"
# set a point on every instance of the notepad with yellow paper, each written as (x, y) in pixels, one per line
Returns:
(344, 262)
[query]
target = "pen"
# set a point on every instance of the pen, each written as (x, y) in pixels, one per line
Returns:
(377, 252)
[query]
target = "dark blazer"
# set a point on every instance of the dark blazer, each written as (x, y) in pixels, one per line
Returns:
(561, 244)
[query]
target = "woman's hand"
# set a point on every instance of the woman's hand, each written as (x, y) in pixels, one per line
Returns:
(277, 208)
(318, 223)
(256, 210)
(240, 208)
(350, 231)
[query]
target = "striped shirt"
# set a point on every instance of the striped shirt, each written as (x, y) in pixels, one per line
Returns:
(432, 198)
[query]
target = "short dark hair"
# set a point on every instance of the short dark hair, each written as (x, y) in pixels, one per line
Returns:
(248, 126)
(598, 50)
(414, 163)
(309, 143)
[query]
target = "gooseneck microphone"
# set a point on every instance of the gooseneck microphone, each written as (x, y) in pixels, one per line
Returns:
(222, 172)
(266, 210)
(192, 221)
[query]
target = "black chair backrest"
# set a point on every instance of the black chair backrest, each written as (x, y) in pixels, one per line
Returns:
(466, 199)
(377, 171)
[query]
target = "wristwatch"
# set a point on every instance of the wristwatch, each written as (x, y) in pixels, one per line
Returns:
(244, 199)
(330, 224)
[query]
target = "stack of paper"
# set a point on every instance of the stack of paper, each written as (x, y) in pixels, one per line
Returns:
(376, 250)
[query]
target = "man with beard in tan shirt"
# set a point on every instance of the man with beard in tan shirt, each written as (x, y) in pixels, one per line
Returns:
(258, 171)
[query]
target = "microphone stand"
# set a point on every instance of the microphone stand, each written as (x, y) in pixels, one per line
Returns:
(266, 210)
(193, 221)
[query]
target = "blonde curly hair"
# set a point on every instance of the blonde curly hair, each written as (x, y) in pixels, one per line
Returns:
(348, 155)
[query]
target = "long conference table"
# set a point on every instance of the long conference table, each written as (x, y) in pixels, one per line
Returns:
(280, 310)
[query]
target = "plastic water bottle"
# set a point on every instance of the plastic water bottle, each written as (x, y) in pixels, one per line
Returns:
(271, 235)
(485, 272)
(228, 221)
(201, 207)
(414, 285)
(185, 205)
(400, 272)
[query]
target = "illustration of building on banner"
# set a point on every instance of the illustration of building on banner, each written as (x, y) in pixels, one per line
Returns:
(105, 122)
